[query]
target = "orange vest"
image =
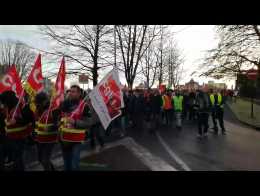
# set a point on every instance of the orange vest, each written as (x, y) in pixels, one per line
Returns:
(17, 131)
(167, 103)
(43, 134)
(71, 134)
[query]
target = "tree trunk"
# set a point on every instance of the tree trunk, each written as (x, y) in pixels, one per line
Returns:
(95, 58)
(95, 73)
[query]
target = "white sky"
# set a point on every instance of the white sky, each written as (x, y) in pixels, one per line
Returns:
(193, 40)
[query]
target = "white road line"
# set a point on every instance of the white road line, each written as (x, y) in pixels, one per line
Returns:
(153, 162)
(172, 154)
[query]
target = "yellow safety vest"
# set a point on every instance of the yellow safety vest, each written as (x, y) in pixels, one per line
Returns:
(178, 103)
(212, 99)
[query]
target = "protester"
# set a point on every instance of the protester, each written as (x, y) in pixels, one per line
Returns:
(217, 110)
(156, 104)
(124, 116)
(46, 130)
(191, 103)
(167, 107)
(19, 121)
(2, 136)
(178, 106)
(203, 107)
(74, 124)
(138, 110)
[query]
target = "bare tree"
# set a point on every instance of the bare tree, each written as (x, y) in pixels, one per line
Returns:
(239, 47)
(86, 45)
(149, 67)
(161, 43)
(133, 45)
(173, 60)
(17, 53)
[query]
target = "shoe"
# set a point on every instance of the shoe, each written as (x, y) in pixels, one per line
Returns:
(205, 135)
(199, 136)
(223, 132)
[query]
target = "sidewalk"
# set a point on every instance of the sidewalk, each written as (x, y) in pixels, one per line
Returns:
(242, 108)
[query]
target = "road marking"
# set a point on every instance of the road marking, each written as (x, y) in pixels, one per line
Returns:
(172, 154)
(151, 161)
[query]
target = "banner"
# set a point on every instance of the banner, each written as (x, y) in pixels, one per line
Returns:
(107, 98)
(11, 81)
(58, 94)
(34, 82)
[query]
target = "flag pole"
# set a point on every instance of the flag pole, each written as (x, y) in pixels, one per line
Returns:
(19, 101)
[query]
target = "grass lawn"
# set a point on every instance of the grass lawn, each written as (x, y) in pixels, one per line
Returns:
(242, 110)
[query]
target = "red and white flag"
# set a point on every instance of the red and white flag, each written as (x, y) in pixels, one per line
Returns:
(58, 95)
(11, 81)
(34, 82)
(107, 98)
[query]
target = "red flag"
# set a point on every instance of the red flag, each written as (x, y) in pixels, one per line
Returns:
(59, 86)
(34, 82)
(11, 81)
(35, 79)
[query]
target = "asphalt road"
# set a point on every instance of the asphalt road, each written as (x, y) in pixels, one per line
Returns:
(237, 150)
(177, 150)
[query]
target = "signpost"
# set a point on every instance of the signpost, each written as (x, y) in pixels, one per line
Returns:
(83, 79)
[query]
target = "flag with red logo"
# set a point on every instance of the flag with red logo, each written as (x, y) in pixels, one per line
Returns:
(58, 94)
(34, 82)
(107, 98)
(11, 81)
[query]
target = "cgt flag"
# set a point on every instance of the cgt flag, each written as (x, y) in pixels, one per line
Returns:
(11, 81)
(58, 94)
(34, 82)
(107, 98)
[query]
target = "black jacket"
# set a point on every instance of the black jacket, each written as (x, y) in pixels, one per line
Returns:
(202, 103)
(156, 103)
(138, 105)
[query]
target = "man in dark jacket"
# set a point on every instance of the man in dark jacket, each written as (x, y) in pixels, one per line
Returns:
(191, 103)
(156, 103)
(202, 104)
(138, 110)
(72, 146)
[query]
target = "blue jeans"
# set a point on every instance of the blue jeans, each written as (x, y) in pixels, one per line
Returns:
(71, 156)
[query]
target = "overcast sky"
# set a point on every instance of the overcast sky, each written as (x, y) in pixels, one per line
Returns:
(193, 40)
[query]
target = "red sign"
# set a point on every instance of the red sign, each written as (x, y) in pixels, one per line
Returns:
(110, 93)
(83, 79)
(252, 74)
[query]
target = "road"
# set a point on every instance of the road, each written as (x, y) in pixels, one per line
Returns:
(237, 150)
(170, 149)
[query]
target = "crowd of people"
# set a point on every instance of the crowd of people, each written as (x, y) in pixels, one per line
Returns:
(173, 106)
(76, 120)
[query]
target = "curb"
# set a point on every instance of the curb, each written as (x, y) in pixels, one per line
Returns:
(243, 122)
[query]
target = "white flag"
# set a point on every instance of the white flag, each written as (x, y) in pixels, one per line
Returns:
(107, 98)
